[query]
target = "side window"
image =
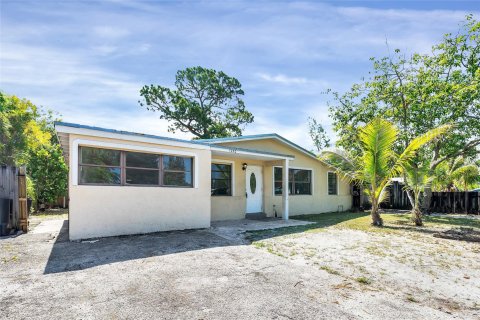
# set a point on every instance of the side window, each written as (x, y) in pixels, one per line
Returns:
(300, 181)
(332, 183)
(221, 179)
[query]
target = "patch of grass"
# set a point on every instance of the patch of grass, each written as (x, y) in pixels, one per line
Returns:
(394, 223)
(329, 270)
(363, 280)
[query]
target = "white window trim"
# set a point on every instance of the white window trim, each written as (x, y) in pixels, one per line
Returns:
(126, 147)
(312, 184)
(338, 185)
(232, 163)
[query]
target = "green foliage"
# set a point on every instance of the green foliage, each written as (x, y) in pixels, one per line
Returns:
(27, 138)
(459, 174)
(21, 130)
(377, 162)
(417, 93)
(49, 171)
(318, 134)
(206, 102)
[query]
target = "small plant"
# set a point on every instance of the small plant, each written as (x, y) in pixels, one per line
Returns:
(363, 280)
(411, 298)
(330, 270)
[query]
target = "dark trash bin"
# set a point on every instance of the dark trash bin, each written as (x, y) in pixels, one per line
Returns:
(4, 215)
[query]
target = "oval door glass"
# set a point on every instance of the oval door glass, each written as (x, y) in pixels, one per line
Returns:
(253, 183)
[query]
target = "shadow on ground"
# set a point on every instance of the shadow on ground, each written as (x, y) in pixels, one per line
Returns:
(78, 255)
(322, 220)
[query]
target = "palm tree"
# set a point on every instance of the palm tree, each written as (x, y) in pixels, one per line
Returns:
(378, 163)
(417, 180)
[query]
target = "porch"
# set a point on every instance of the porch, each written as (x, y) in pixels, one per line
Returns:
(243, 184)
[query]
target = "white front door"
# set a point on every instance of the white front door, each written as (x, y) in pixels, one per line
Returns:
(254, 192)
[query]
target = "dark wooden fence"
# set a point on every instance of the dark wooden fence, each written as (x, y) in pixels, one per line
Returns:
(440, 202)
(13, 186)
(455, 202)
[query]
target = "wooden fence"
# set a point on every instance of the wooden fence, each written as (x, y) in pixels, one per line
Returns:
(440, 202)
(455, 202)
(13, 186)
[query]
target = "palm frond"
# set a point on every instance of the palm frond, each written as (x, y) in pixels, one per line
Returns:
(411, 150)
(377, 139)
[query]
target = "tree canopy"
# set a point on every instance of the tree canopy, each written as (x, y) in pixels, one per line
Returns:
(418, 93)
(206, 103)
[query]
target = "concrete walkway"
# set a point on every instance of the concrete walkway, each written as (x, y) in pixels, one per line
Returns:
(48, 226)
(234, 229)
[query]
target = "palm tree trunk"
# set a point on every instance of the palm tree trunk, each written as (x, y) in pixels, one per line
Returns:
(417, 212)
(376, 219)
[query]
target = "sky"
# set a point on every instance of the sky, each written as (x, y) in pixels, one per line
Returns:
(87, 60)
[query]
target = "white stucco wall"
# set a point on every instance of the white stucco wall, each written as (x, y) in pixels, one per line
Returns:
(99, 211)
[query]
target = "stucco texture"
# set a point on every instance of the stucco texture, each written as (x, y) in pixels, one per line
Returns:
(225, 208)
(97, 211)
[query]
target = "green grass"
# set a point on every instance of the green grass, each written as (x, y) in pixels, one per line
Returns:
(363, 280)
(393, 224)
(330, 270)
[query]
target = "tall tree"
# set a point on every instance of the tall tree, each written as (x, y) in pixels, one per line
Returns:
(418, 93)
(206, 103)
(378, 162)
(318, 134)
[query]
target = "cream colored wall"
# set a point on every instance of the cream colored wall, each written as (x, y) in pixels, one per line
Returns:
(232, 207)
(98, 211)
(318, 202)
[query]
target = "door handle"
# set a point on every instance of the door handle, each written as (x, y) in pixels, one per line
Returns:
(246, 194)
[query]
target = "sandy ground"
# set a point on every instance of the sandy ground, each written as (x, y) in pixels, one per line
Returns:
(416, 268)
(212, 274)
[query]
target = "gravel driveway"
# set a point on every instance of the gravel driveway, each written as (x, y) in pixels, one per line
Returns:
(176, 275)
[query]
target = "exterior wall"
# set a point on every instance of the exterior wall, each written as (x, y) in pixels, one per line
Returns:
(320, 201)
(233, 207)
(98, 211)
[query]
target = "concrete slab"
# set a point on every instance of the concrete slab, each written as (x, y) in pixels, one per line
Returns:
(48, 226)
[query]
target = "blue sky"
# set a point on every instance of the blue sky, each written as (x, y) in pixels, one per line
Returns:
(88, 59)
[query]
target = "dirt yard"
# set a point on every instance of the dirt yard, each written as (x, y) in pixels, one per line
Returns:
(335, 268)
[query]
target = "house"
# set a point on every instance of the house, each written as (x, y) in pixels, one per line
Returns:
(129, 183)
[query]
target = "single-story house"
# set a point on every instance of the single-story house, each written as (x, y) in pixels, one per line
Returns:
(130, 183)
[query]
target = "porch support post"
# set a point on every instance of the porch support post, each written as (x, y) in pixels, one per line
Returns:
(285, 190)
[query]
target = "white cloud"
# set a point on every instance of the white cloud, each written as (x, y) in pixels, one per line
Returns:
(282, 79)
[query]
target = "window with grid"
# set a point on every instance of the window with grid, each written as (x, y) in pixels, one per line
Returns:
(221, 179)
(300, 181)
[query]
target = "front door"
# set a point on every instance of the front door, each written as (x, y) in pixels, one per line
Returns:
(254, 192)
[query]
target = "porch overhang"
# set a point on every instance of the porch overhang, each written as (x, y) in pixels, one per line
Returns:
(241, 153)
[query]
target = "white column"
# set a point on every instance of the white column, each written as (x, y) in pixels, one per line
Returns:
(285, 190)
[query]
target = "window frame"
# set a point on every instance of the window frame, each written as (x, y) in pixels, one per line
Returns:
(328, 183)
(81, 164)
(293, 181)
(123, 168)
(232, 177)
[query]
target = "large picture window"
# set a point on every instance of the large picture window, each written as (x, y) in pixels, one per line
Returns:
(114, 167)
(300, 181)
(332, 183)
(221, 179)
